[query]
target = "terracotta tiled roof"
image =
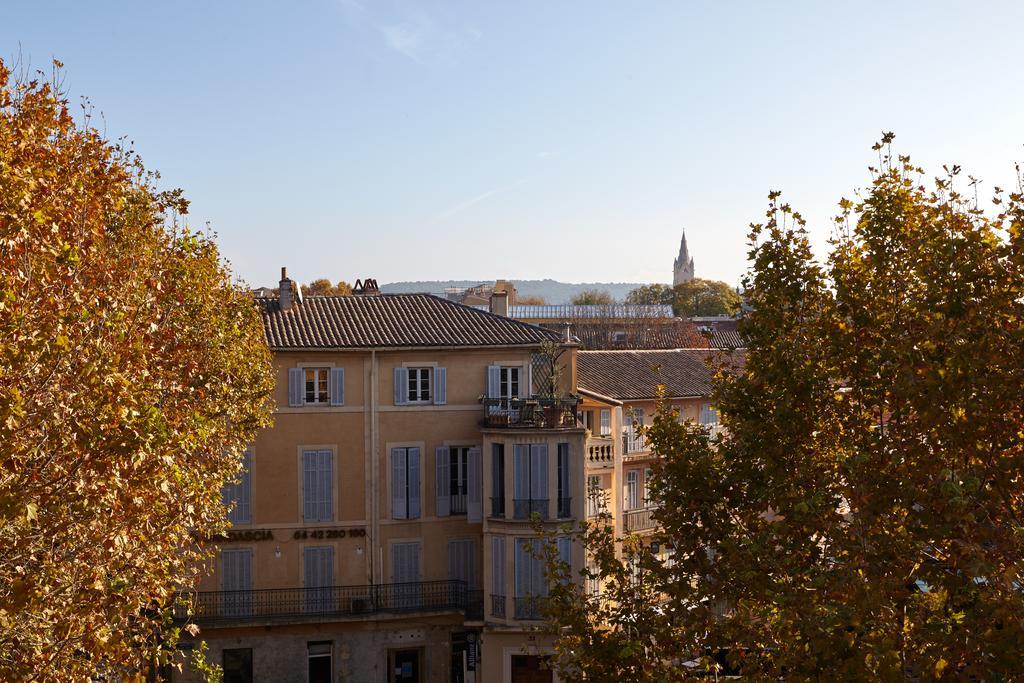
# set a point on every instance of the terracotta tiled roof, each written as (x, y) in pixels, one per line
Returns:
(389, 321)
(634, 375)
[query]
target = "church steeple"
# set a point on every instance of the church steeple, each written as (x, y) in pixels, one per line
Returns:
(683, 265)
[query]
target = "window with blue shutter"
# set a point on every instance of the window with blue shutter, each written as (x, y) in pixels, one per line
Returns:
(530, 479)
(236, 581)
(462, 562)
(318, 571)
(440, 386)
(238, 495)
(317, 485)
(295, 387)
(337, 386)
(401, 386)
(406, 573)
(405, 483)
(443, 480)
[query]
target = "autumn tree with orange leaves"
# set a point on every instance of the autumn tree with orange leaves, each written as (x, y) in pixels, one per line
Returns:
(132, 375)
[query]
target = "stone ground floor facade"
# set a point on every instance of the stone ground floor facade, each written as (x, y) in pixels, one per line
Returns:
(430, 649)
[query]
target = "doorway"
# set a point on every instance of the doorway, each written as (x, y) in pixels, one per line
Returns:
(531, 669)
(406, 666)
(319, 662)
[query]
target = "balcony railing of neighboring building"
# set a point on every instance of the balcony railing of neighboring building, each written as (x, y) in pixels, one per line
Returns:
(498, 506)
(458, 504)
(531, 413)
(600, 451)
(564, 508)
(498, 606)
(531, 607)
(633, 442)
(327, 603)
(524, 508)
(638, 520)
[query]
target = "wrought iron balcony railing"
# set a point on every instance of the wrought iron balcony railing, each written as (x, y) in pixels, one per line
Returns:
(328, 603)
(564, 508)
(497, 606)
(531, 607)
(523, 508)
(532, 413)
(498, 506)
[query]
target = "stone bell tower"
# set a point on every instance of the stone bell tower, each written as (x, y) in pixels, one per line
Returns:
(683, 266)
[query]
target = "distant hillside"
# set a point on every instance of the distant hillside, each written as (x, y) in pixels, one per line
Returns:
(554, 292)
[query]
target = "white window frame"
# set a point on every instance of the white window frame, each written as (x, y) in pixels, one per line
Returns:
(509, 376)
(632, 490)
(420, 378)
(321, 378)
(606, 422)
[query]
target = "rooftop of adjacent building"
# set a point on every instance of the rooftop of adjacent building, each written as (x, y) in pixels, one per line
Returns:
(368, 319)
(638, 374)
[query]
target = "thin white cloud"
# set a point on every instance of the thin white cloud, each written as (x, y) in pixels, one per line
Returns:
(414, 35)
(462, 206)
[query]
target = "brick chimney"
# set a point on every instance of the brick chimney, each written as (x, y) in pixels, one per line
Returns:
(287, 293)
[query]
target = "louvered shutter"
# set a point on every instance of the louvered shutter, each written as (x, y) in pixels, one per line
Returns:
(414, 483)
(440, 386)
(399, 484)
(565, 553)
(521, 472)
(309, 485)
(493, 381)
(401, 386)
(296, 390)
(523, 567)
(327, 566)
(243, 509)
(475, 483)
(562, 466)
(337, 386)
(539, 474)
(325, 477)
(498, 565)
(443, 475)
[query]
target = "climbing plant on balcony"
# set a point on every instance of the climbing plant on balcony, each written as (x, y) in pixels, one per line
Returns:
(861, 515)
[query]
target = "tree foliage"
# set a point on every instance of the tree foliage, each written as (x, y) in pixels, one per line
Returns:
(651, 295)
(323, 287)
(704, 298)
(132, 375)
(593, 297)
(861, 516)
(531, 300)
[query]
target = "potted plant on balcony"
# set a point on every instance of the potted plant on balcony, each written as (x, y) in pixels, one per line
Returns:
(550, 384)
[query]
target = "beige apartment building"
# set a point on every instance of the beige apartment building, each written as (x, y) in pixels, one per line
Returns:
(381, 529)
(619, 391)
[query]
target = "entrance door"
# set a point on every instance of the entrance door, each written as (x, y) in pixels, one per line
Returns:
(406, 666)
(530, 669)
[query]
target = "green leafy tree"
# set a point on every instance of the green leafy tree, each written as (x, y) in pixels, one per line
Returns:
(593, 297)
(323, 287)
(133, 373)
(704, 298)
(861, 515)
(651, 295)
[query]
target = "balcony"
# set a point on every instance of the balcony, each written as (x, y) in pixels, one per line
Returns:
(600, 451)
(633, 443)
(531, 607)
(498, 606)
(297, 605)
(638, 520)
(531, 413)
(524, 508)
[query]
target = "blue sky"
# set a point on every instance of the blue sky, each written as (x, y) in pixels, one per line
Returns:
(570, 140)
